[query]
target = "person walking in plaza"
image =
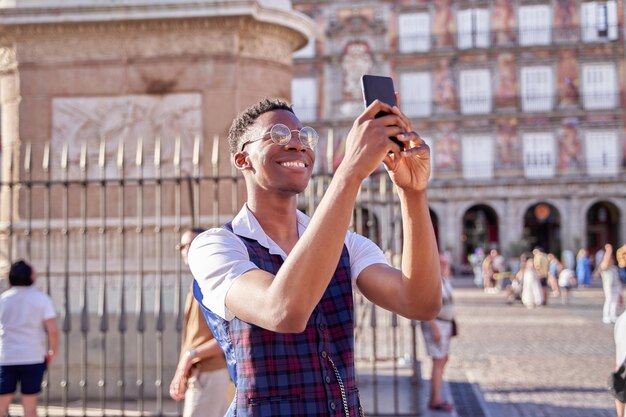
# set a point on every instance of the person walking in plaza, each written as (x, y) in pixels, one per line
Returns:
(201, 377)
(583, 269)
(28, 338)
(619, 333)
(611, 285)
(437, 334)
(621, 262)
(542, 266)
(276, 285)
(532, 294)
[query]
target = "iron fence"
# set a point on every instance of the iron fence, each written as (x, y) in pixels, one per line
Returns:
(101, 229)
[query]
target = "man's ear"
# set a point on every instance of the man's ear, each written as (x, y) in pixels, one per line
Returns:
(241, 161)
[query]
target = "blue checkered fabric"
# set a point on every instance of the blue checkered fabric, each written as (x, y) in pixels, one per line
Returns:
(281, 374)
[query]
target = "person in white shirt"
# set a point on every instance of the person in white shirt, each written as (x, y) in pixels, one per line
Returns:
(28, 338)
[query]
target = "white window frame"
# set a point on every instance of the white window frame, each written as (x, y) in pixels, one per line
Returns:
(414, 32)
(599, 86)
(475, 91)
(537, 88)
(598, 21)
(539, 154)
(477, 153)
(535, 23)
(602, 153)
(473, 28)
(304, 98)
(416, 93)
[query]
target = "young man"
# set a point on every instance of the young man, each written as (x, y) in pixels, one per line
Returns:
(276, 285)
(201, 377)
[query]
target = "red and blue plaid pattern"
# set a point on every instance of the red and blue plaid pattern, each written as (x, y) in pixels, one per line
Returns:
(280, 374)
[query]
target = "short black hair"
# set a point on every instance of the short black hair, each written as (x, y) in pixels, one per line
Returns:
(195, 230)
(21, 274)
(246, 118)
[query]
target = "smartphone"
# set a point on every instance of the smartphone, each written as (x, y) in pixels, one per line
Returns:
(381, 88)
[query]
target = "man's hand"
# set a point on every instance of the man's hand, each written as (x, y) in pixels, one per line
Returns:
(368, 141)
(410, 169)
(179, 382)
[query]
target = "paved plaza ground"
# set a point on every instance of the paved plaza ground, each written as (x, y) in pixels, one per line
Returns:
(551, 361)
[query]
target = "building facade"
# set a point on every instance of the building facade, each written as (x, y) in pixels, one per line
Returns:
(521, 103)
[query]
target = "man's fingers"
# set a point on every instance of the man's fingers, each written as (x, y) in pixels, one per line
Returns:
(373, 109)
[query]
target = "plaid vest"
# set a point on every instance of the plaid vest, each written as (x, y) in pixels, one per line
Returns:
(280, 374)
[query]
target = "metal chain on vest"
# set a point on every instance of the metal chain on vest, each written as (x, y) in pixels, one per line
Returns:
(344, 398)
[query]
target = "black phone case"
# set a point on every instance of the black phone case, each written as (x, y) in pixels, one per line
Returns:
(381, 88)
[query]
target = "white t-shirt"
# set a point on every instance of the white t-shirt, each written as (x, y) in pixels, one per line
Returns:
(217, 257)
(620, 339)
(23, 339)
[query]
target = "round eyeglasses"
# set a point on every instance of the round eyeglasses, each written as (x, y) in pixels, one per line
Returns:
(281, 135)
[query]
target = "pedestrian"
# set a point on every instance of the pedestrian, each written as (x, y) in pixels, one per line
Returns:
(619, 333)
(621, 262)
(566, 281)
(476, 261)
(532, 294)
(542, 266)
(583, 269)
(28, 338)
(611, 285)
(276, 285)
(437, 334)
(201, 376)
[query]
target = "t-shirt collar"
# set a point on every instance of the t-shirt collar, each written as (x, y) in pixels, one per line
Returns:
(246, 225)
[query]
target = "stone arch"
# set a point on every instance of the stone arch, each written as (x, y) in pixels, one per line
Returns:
(602, 220)
(542, 226)
(480, 229)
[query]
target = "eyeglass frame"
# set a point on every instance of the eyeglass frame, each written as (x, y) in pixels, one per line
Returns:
(290, 136)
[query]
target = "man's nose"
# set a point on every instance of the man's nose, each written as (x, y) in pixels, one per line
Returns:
(295, 143)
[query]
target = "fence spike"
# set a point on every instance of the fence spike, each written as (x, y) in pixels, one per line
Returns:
(196, 151)
(215, 155)
(45, 163)
(120, 155)
(83, 157)
(139, 153)
(27, 158)
(101, 157)
(64, 156)
(177, 152)
(157, 151)
(330, 149)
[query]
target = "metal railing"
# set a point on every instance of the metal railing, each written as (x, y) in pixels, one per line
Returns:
(102, 230)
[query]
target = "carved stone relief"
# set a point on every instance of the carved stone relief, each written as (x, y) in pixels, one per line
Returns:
(90, 120)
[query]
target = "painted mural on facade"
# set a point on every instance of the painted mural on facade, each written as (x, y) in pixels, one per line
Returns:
(447, 149)
(505, 91)
(444, 86)
(444, 24)
(508, 146)
(570, 145)
(503, 22)
(566, 22)
(567, 76)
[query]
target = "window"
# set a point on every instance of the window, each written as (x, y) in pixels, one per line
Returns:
(537, 88)
(475, 91)
(599, 86)
(598, 20)
(414, 32)
(539, 154)
(416, 94)
(304, 98)
(473, 28)
(477, 153)
(308, 51)
(534, 25)
(602, 152)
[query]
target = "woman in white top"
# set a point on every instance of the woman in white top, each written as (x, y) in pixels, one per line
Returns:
(532, 295)
(437, 334)
(611, 285)
(26, 315)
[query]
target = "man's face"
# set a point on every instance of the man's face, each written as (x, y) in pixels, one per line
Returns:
(282, 168)
(185, 242)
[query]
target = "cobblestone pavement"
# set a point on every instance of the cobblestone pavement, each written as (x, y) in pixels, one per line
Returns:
(551, 361)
